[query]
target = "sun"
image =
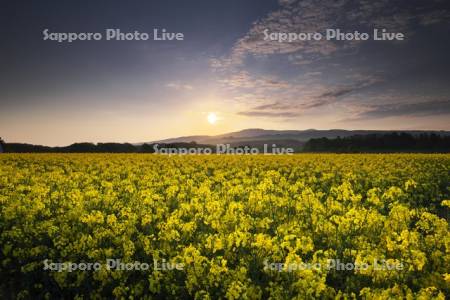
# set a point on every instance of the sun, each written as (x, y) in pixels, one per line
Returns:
(212, 118)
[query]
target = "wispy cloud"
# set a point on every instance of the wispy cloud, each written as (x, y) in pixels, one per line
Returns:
(243, 79)
(318, 15)
(283, 114)
(297, 99)
(179, 86)
(424, 108)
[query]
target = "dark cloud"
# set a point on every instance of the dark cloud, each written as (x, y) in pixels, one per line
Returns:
(272, 106)
(283, 114)
(334, 93)
(429, 108)
(409, 109)
(362, 111)
(337, 93)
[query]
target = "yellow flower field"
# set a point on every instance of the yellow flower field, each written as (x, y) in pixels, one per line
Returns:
(232, 227)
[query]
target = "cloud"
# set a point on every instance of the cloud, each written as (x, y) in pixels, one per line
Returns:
(361, 111)
(272, 106)
(243, 79)
(310, 16)
(317, 83)
(434, 17)
(341, 91)
(298, 98)
(179, 86)
(394, 104)
(285, 114)
(424, 108)
(334, 93)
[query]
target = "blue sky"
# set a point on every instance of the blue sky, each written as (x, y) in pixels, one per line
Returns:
(59, 93)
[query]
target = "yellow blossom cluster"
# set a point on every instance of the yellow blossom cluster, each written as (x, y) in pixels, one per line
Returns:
(225, 219)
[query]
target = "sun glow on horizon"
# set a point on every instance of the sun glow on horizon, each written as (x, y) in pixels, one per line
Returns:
(212, 118)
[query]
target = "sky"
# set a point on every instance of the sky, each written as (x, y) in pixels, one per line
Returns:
(57, 93)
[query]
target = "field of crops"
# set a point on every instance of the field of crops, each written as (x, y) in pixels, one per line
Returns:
(231, 227)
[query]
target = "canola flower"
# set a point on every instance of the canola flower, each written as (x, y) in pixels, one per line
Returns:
(224, 219)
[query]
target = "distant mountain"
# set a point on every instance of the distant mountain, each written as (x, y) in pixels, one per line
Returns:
(295, 138)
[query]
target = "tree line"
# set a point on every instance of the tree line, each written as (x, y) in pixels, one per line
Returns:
(91, 147)
(389, 142)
